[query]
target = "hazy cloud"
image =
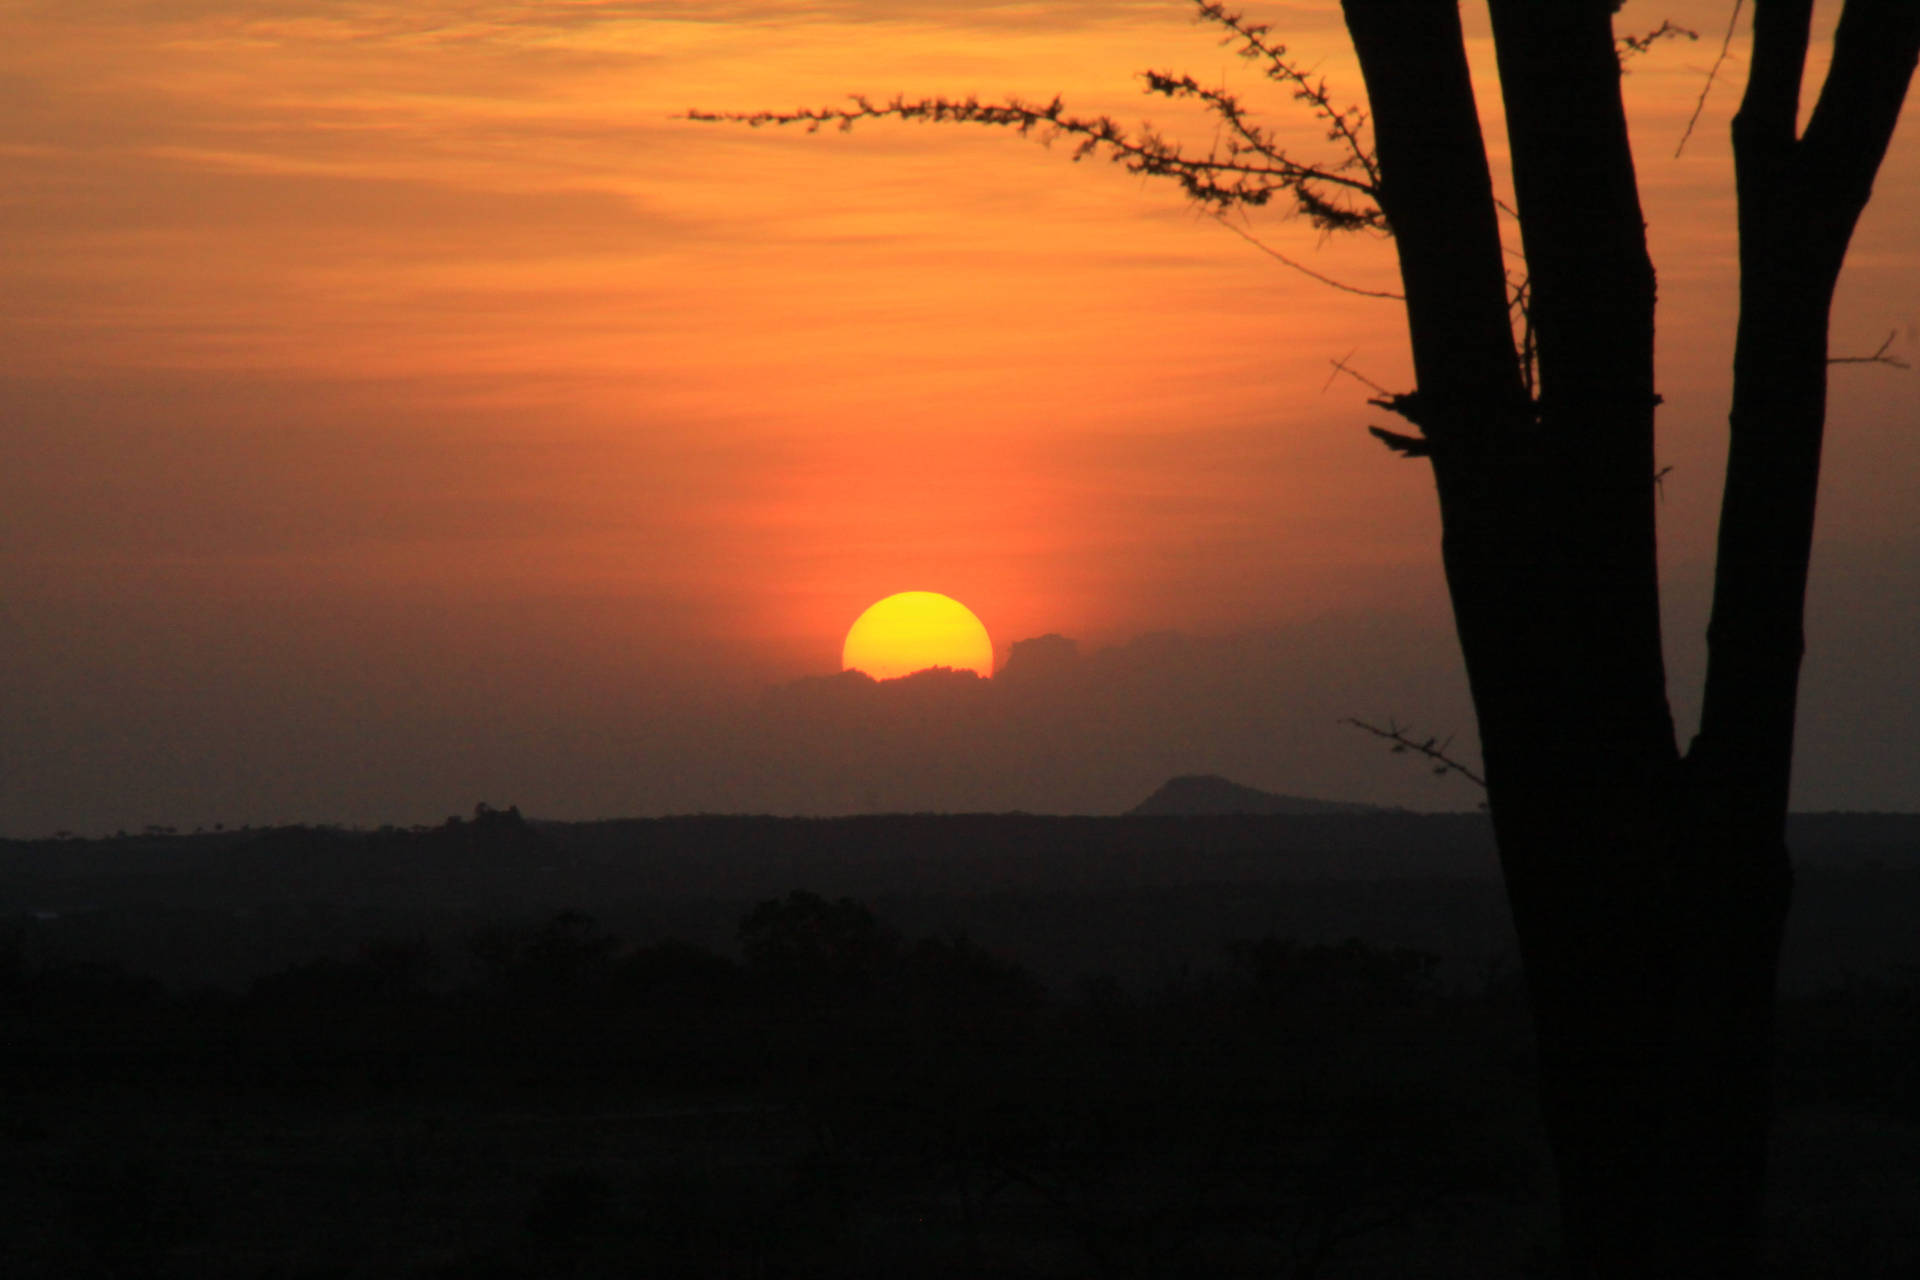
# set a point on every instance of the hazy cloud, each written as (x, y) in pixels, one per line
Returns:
(1061, 731)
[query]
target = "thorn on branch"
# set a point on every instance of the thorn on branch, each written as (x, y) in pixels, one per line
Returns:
(1433, 749)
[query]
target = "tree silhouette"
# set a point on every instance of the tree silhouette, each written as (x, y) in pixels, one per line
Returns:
(1649, 886)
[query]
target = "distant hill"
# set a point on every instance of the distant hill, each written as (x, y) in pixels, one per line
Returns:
(1208, 794)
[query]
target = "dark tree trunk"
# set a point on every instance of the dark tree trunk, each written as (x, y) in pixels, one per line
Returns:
(1799, 199)
(1648, 892)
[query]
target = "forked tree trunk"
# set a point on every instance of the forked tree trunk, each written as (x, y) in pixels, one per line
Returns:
(1648, 891)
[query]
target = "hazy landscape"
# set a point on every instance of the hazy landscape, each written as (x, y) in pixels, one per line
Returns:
(1135, 896)
(1167, 1044)
(654, 640)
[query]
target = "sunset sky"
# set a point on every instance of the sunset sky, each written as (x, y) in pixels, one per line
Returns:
(402, 406)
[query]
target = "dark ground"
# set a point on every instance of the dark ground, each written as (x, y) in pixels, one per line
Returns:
(1053, 1047)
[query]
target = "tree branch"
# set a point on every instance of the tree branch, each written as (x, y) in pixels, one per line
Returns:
(1700, 104)
(1432, 748)
(1341, 366)
(1217, 180)
(1248, 167)
(1875, 48)
(1302, 268)
(1344, 125)
(1405, 445)
(1879, 356)
(1633, 46)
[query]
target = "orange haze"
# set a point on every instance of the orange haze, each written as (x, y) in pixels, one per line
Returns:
(402, 406)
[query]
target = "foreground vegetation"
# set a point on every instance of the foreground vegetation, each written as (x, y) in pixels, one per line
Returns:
(837, 1100)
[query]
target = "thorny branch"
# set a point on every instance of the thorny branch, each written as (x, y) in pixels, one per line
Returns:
(1432, 748)
(1633, 46)
(1344, 125)
(1247, 167)
(1219, 180)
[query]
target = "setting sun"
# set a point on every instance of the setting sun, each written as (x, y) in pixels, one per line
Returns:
(914, 630)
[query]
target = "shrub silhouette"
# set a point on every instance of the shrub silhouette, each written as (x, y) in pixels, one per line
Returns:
(1348, 975)
(806, 948)
(383, 972)
(567, 958)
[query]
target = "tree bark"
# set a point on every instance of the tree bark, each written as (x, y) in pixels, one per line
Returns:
(1648, 892)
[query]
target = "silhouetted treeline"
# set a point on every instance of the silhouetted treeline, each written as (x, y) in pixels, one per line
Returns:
(1137, 897)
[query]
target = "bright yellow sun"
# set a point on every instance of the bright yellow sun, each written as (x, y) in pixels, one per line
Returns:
(915, 630)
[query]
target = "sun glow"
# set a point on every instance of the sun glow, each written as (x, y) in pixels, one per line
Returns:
(914, 630)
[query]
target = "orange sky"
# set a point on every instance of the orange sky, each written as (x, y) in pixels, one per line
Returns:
(390, 372)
